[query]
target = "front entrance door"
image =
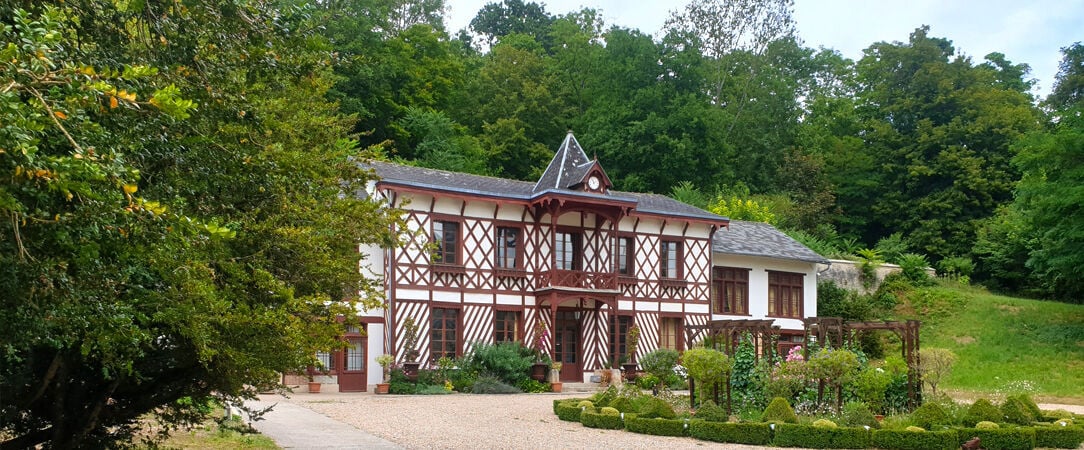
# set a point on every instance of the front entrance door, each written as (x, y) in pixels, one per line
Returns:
(352, 377)
(566, 334)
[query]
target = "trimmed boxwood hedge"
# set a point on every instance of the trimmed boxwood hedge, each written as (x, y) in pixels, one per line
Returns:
(734, 433)
(563, 400)
(657, 427)
(1059, 437)
(569, 412)
(915, 440)
(790, 435)
(592, 419)
(1000, 439)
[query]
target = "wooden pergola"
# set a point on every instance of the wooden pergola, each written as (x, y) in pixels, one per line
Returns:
(727, 334)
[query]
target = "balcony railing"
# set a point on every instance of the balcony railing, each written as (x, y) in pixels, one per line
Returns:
(579, 279)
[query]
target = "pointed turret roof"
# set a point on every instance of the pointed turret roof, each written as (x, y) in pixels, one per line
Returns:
(568, 167)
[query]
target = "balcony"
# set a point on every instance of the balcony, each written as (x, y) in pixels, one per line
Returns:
(580, 280)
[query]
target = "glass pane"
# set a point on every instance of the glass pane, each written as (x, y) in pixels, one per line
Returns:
(355, 355)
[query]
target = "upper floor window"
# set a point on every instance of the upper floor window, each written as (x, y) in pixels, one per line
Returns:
(568, 250)
(446, 237)
(730, 290)
(506, 326)
(670, 254)
(785, 294)
(626, 256)
(507, 248)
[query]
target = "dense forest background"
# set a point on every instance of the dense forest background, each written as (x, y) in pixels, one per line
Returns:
(913, 151)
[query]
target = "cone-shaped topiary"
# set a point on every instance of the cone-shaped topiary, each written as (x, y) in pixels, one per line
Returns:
(656, 407)
(622, 404)
(982, 410)
(1016, 411)
(930, 416)
(779, 410)
(711, 412)
(1036, 413)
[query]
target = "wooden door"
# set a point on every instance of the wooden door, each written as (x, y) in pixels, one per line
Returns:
(352, 374)
(567, 346)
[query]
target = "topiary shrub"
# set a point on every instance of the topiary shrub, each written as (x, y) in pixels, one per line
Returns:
(735, 433)
(986, 425)
(911, 440)
(1036, 413)
(779, 410)
(982, 410)
(585, 404)
(824, 423)
(660, 363)
(915, 429)
(488, 384)
(606, 410)
(1059, 436)
(569, 411)
(930, 416)
(656, 407)
(558, 401)
(711, 412)
(805, 436)
(857, 414)
(656, 426)
(1014, 410)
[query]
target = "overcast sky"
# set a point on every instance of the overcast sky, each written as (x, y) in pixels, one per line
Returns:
(1031, 32)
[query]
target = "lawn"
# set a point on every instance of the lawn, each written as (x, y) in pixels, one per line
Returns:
(1004, 344)
(233, 434)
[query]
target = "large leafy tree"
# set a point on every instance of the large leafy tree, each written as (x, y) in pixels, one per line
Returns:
(175, 224)
(939, 130)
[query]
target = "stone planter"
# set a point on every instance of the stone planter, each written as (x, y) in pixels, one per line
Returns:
(630, 371)
(411, 370)
(538, 371)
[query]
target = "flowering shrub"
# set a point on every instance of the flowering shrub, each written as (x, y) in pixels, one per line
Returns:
(795, 354)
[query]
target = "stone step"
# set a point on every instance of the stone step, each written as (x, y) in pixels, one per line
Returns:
(580, 387)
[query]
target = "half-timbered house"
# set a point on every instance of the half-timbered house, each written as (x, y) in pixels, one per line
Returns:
(488, 259)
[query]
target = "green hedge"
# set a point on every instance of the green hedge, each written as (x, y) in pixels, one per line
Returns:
(1000, 439)
(790, 435)
(1059, 437)
(569, 412)
(734, 433)
(915, 440)
(592, 419)
(657, 427)
(563, 400)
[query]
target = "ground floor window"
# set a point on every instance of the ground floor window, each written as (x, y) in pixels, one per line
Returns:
(506, 326)
(670, 330)
(443, 333)
(619, 337)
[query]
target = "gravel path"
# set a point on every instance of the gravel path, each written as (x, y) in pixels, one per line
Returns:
(460, 421)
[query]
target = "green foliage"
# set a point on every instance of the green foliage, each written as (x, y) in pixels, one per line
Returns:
(891, 247)
(711, 412)
(913, 266)
(623, 404)
(488, 384)
(735, 433)
(1022, 438)
(870, 385)
(779, 411)
(647, 381)
(915, 440)
(836, 365)
(430, 389)
(736, 208)
(982, 410)
(986, 425)
(568, 411)
(652, 407)
(935, 364)
(742, 382)
(824, 423)
(400, 384)
(609, 411)
(857, 414)
(1059, 437)
(659, 363)
(509, 362)
(592, 419)
(657, 426)
(706, 366)
(805, 436)
(585, 404)
(688, 193)
(956, 267)
(930, 416)
(532, 386)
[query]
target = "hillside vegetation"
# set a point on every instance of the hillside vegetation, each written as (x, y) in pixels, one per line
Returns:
(1004, 344)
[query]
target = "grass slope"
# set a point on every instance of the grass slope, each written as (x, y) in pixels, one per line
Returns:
(1004, 345)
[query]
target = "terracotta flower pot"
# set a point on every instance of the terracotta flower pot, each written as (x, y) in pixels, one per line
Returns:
(383, 388)
(314, 387)
(556, 386)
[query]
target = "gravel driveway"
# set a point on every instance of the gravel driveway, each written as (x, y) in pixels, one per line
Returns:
(459, 421)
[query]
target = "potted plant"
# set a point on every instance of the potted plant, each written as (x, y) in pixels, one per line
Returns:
(410, 344)
(541, 334)
(385, 362)
(555, 377)
(629, 361)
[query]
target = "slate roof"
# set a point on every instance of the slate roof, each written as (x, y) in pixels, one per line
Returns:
(443, 180)
(567, 168)
(761, 239)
